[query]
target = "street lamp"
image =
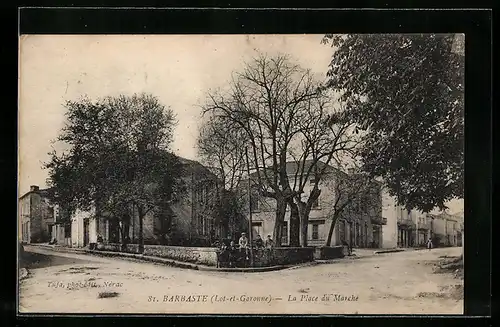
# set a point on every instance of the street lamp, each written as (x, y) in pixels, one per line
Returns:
(250, 231)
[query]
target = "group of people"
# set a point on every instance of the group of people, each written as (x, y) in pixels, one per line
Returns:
(236, 254)
(258, 242)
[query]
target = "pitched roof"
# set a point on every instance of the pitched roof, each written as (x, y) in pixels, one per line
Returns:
(44, 192)
(293, 167)
(194, 166)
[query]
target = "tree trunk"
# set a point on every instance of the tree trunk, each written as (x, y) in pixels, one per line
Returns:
(280, 218)
(294, 224)
(304, 211)
(330, 232)
(140, 211)
(125, 231)
(304, 222)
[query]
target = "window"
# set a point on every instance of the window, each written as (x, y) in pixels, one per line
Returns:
(210, 226)
(284, 233)
(315, 204)
(316, 228)
(315, 231)
(312, 181)
(254, 202)
(342, 231)
(199, 222)
(256, 229)
(205, 225)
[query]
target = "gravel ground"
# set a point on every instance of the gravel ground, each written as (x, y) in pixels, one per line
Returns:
(392, 283)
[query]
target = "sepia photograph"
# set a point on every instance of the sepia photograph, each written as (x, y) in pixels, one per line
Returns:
(241, 174)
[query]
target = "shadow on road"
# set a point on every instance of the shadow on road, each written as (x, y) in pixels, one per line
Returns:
(31, 260)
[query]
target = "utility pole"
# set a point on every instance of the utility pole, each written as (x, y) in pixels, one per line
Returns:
(417, 217)
(250, 231)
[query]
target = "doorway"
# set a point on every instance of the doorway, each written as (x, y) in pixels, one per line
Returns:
(85, 231)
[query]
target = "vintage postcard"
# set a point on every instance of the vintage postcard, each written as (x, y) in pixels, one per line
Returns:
(241, 174)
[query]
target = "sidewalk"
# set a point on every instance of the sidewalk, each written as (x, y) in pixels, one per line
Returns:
(165, 261)
(357, 254)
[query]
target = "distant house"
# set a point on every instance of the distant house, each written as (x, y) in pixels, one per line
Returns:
(405, 228)
(412, 228)
(190, 221)
(446, 229)
(36, 216)
(360, 223)
(61, 227)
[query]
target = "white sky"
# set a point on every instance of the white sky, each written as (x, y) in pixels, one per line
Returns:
(178, 69)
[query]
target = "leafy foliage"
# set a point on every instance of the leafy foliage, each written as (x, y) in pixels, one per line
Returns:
(280, 112)
(118, 156)
(406, 92)
(223, 149)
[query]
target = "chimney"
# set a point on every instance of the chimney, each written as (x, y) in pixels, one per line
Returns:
(34, 188)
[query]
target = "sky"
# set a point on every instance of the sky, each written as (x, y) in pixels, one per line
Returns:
(178, 69)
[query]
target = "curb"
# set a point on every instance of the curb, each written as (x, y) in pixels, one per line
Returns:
(179, 264)
(186, 265)
(244, 270)
(389, 251)
(168, 262)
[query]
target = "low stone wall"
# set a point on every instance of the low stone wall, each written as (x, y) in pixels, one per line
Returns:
(208, 256)
(330, 252)
(205, 256)
(282, 256)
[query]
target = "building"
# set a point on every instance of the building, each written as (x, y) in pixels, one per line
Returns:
(360, 223)
(413, 228)
(36, 216)
(390, 212)
(61, 227)
(446, 229)
(404, 228)
(190, 221)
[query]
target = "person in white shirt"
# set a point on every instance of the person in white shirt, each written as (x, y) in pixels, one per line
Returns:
(243, 242)
(429, 244)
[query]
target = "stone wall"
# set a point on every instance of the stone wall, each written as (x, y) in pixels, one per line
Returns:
(283, 256)
(208, 256)
(329, 252)
(205, 256)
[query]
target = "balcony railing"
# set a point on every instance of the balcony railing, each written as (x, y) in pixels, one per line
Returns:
(406, 223)
(424, 226)
(379, 220)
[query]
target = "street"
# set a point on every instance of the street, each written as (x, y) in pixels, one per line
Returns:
(392, 283)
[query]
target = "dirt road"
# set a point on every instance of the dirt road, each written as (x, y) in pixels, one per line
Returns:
(393, 283)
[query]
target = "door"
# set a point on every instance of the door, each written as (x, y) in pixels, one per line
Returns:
(85, 232)
(256, 229)
(49, 233)
(376, 236)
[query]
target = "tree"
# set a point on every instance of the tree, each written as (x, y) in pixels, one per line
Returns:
(282, 113)
(263, 101)
(407, 93)
(356, 194)
(223, 150)
(325, 139)
(118, 157)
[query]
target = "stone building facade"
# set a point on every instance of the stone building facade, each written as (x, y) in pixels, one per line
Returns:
(35, 216)
(190, 221)
(446, 229)
(413, 228)
(360, 223)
